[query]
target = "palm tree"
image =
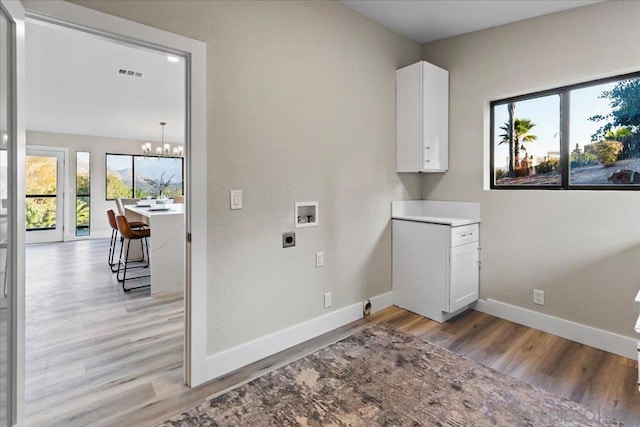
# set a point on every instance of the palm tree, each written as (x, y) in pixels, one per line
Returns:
(512, 115)
(620, 133)
(516, 139)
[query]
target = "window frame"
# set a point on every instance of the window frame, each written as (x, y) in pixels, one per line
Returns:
(565, 109)
(88, 196)
(133, 171)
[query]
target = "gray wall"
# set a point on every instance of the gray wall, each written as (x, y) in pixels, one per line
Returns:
(301, 107)
(581, 247)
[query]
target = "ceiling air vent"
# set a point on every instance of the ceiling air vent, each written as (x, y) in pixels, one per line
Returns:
(130, 73)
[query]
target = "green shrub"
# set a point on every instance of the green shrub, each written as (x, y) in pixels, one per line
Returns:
(607, 151)
(582, 159)
(547, 166)
(500, 174)
(82, 212)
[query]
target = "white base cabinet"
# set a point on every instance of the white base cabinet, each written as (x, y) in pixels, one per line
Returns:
(435, 268)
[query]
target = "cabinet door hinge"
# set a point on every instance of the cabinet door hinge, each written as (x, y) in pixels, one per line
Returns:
(188, 237)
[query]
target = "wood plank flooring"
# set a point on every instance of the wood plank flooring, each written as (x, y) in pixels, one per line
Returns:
(98, 356)
(92, 349)
(597, 379)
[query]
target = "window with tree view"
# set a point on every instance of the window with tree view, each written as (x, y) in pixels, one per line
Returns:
(83, 193)
(584, 136)
(143, 176)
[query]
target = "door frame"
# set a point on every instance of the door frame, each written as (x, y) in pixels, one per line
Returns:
(62, 205)
(16, 211)
(194, 52)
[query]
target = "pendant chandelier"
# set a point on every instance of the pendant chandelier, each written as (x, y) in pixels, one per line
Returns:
(165, 149)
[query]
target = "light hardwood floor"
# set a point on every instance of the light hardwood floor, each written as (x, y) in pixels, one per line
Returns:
(98, 356)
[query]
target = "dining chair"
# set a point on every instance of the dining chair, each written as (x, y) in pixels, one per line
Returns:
(129, 235)
(115, 236)
(119, 206)
(111, 217)
(134, 220)
(121, 202)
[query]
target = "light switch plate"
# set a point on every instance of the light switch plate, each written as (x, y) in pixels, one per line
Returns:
(235, 199)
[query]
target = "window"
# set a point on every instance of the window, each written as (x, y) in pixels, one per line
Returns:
(119, 176)
(142, 176)
(83, 193)
(584, 136)
(157, 175)
(41, 191)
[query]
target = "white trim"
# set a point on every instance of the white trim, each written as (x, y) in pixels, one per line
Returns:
(381, 301)
(229, 360)
(598, 338)
(16, 213)
(94, 235)
(195, 54)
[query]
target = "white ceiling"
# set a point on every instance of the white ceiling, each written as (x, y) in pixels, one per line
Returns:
(73, 87)
(429, 20)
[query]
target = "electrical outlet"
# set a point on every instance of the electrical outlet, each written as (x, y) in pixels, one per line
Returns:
(319, 259)
(327, 300)
(538, 297)
(288, 239)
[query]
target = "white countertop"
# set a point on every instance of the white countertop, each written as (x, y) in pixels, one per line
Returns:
(453, 222)
(454, 214)
(174, 209)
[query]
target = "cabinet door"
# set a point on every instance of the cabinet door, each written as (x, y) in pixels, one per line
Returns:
(464, 276)
(420, 267)
(409, 119)
(435, 120)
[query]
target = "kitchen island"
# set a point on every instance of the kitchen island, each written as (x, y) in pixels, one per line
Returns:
(166, 245)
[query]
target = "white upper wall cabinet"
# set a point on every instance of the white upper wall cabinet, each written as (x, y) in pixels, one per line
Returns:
(422, 118)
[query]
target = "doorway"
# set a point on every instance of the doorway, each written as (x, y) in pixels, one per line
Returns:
(8, 147)
(195, 301)
(70, 286)
(44, 193)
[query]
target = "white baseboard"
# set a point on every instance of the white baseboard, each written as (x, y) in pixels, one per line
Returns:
(100, 234)
(229, 360)
(603, 340)
(381, 301)
(94, 235)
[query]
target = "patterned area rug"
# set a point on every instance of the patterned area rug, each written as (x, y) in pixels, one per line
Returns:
(381, 376)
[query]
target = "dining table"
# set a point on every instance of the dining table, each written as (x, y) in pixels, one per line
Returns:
(166, 245)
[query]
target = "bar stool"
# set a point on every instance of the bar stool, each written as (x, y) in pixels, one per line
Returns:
(130, 234)
(111, 216)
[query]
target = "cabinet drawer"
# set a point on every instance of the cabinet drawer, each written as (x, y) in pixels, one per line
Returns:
(464, 234)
